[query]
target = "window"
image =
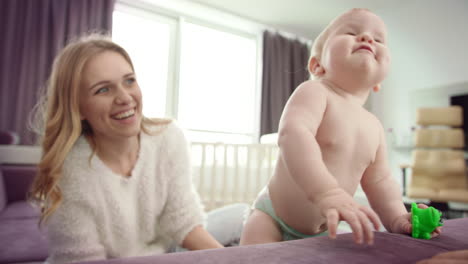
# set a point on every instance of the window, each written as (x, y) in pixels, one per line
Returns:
(217, 92)
(147, 38)
(206, 77)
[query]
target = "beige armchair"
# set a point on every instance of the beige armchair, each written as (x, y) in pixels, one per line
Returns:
(438, 163)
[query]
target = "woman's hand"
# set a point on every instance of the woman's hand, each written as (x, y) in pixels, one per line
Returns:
(199, 239)
(453, 257)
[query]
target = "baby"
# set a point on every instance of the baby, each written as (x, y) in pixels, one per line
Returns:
(329, 144)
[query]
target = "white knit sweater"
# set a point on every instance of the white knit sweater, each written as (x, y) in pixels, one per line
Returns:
(104, 215)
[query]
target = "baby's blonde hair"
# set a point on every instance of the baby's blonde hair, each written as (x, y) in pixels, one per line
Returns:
(319, 42)
(58, 117)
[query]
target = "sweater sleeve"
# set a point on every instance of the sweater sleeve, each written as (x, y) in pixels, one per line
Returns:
(73, 235)
(183, 210)
(71, 229)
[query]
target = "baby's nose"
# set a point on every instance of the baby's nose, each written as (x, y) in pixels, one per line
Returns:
(364, 37)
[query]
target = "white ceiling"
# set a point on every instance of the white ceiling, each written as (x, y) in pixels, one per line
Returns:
(304, 18)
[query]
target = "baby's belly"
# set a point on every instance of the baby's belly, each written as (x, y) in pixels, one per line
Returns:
(292, 206)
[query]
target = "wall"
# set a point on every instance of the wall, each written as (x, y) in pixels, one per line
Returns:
(428, 40)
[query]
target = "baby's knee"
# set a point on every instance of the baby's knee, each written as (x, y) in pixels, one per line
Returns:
(260, 228)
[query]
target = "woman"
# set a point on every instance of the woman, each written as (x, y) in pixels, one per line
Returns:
(451, 257)
(112, 183)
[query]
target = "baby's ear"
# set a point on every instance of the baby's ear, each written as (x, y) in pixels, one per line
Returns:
(376, 88)
(315, 68)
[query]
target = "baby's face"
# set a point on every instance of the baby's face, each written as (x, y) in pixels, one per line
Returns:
(357, 47)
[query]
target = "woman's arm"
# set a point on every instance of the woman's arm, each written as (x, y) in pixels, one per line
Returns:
(453, 257)
(199, 238)
(182, 217)
(73, 235)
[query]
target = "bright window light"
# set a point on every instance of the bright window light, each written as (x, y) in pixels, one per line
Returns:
(206, 77)
(217, 91)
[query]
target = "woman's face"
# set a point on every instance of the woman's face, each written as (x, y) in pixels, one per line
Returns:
(110, 98)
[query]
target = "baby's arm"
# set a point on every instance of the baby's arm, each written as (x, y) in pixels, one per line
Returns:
(301, 153)
(383, 192)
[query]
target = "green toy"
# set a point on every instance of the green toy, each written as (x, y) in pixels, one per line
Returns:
(424, 221)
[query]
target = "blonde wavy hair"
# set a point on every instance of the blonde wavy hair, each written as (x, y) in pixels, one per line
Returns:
(57, 116)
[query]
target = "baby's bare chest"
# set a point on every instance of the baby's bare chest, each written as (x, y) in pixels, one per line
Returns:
(351, 134)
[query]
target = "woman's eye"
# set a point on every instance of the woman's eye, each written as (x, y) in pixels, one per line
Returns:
(102, 90)
(130, 81)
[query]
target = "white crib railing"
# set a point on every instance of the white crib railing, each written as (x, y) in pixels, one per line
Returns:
(231, 173)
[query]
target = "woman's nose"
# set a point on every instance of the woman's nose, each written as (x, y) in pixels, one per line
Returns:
(123, 96)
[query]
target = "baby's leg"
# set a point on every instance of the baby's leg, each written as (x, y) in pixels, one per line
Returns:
(260, 228)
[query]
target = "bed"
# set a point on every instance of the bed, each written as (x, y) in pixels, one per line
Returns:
(388, 248)
(229, 173)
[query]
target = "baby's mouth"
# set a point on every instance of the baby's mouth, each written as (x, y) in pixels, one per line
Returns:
(364, 47)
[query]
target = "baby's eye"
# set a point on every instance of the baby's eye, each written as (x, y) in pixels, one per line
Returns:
(102, 90)
(351, 33)
(378, 40)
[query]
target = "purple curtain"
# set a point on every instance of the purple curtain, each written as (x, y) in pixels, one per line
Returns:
(284, 68)
(32, 32)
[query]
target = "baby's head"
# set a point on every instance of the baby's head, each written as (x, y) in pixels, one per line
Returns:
(343, 38)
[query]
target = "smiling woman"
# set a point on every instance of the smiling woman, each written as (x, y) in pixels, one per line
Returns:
(111, 182)
(110, 103)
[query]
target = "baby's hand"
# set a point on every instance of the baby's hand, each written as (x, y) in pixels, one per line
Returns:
(338, 205)
(402, 224)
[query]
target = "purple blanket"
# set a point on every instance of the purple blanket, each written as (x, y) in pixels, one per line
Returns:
(388, 248)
